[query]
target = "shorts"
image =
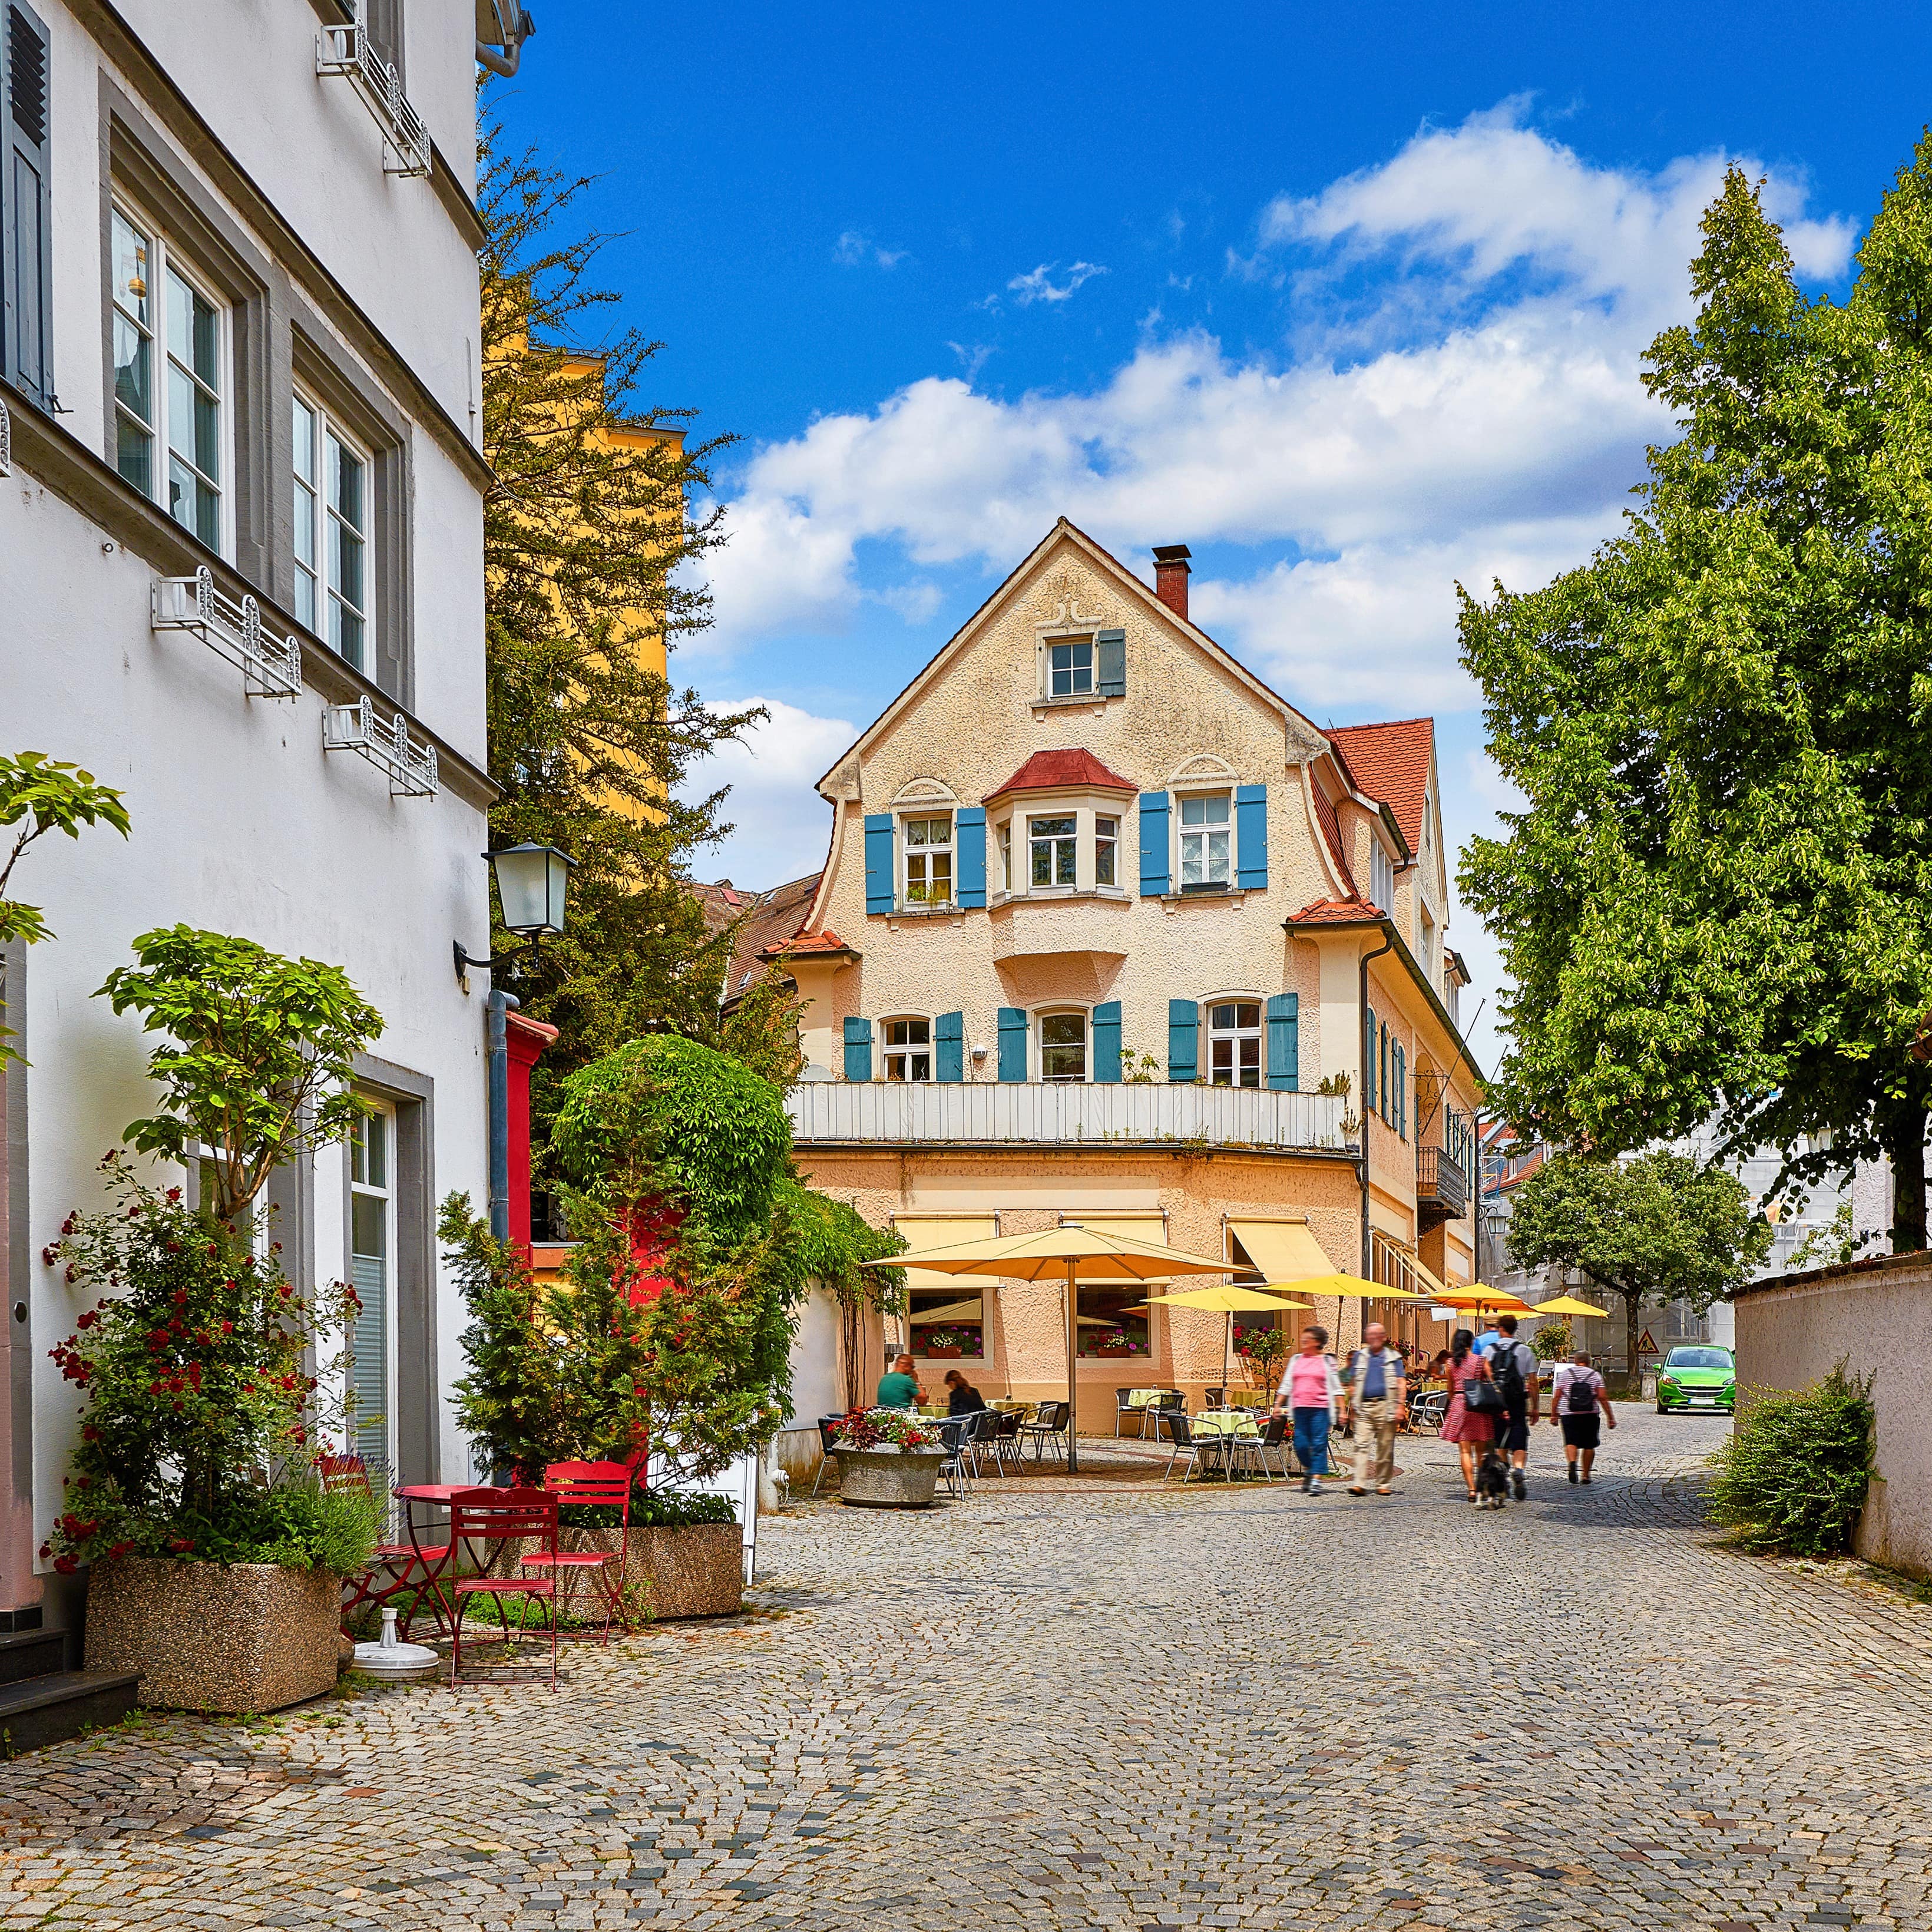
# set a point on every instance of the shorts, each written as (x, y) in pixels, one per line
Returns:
(1582, 1432)
(1513, 1432)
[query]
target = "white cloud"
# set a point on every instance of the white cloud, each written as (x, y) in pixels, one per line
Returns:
(780, 826)
(854, 247)
(1038, 285)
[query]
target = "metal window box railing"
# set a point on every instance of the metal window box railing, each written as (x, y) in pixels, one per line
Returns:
(1043, 1113)
(271, 666)
(344, 51)
(1442, 1189)
(410, 767)
(6, 442)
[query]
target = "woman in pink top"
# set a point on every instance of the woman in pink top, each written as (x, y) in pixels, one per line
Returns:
(1308, 1391)
(1468, 1428)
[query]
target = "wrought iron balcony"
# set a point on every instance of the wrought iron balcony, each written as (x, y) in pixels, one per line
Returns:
(271, 666)
(344, 52)
(1441, 1188)
(1062, 1113)
(386, 743)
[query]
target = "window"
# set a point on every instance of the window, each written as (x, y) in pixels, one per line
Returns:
(929, 861)
(372, 1211)
(1069, 672)
(170, 378)
(1051, 840)
(1106, 847)
(1007, 856)
(1062, 1046)
(1381, 877)
(1234, 1043)
(1205, 841)
(331, 534)
(908, 1049)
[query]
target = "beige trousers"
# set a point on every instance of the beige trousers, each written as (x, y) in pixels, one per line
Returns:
(1374, 1442)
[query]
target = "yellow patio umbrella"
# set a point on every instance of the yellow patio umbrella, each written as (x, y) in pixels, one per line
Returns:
(1567, 1304)
(1492, 1301)
(1349, 1285)
(1234, 1301)
(1070, 1255)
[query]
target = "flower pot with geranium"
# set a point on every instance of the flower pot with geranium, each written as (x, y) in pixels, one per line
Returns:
(887, 1460)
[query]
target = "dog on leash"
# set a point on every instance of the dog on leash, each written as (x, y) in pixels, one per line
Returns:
(1491, 1478)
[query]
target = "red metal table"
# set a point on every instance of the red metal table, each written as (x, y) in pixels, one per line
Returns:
(434, 1561)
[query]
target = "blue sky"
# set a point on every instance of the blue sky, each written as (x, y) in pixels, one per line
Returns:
(1348, 300)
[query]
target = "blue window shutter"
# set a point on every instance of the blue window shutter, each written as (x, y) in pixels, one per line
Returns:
(1184, 1030)
(1382, 1070)
(1012, 1043)
(1110, 667)
(1284, 1042)
(879, 865)
(1153, 845)
(1369, 1066)
(969, 860)
(26, 215)
(1400, 1061)
(858, 1049)
(948, 1044)
(1251, 838)
(1107, 1041)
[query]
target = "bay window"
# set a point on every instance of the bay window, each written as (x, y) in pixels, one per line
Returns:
(928, 844)
(1205, 842)
(1052, 842)
(1234, 1043)
(1106, 847)
(331, 533)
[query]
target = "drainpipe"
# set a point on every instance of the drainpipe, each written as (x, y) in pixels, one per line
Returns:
(500, 1007)
(1362, 1086)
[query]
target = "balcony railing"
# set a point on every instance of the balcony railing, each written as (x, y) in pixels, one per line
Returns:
(1441, 1188)
(1034, 1113)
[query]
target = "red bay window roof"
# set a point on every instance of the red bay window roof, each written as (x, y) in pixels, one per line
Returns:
(1062, 771)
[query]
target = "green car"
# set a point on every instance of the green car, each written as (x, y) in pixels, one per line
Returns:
(1699, 1377)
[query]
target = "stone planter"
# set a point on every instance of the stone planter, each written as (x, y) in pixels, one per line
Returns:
(698, 1571)
(888, 1478)
(215, 1636)
(1115, 1355)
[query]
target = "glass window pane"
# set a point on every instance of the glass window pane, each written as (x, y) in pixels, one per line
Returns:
(377, 1138)
(1217, 856)
(130, 251)
(368, 1225)
(346, 560)
(304, 530)
(345, 483)
(180, 411)
(207, 344)
(1221, 1015)
(133, 370)
(345, 632)
(1063, 1029)
(1103, 862)
(1248, 1013)
(180, 319)
(207, 435)
(1193, 810)
(304, 441)
(134, 454)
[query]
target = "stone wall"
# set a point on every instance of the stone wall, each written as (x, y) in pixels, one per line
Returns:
(1876, 1316)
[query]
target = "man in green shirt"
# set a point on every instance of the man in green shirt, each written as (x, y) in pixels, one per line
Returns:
(898, 1388)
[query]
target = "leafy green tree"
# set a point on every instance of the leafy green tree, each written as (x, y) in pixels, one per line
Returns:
(259, 1055)
(1716, 899)
(1657, 1227)
(588, 539)
(39, 795)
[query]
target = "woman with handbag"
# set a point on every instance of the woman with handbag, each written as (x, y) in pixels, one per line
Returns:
(1475, 1404)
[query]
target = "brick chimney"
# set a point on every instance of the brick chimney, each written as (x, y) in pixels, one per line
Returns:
(1171, 572)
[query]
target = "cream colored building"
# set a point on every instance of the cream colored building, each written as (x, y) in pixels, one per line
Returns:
(1090, 944)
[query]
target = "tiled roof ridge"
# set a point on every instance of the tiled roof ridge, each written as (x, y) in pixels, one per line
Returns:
(1060, 767)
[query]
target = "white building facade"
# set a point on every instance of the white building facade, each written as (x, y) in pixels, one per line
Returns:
(241, 580)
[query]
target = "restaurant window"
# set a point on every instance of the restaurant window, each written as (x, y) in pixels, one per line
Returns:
(947, 1321)
(908, 1049)
(1112, 1325)
(1234, 1043)
(1070, 669)
(1206, 841)
(1106, 851)
(1062, 1046)
(331, 534)
(1051, 841)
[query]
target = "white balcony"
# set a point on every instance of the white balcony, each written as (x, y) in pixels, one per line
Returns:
(1033, 1113)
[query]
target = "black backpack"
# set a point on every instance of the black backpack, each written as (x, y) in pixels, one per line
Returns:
(1506, 1372)
(1582, 1394)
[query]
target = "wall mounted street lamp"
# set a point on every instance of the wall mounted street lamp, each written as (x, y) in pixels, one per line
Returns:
(532, 883)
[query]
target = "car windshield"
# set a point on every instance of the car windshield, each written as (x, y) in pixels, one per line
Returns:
(1699, 1358)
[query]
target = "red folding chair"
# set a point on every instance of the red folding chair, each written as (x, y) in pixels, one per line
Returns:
(592, 1484)
(481, 1517)
(409, 1565)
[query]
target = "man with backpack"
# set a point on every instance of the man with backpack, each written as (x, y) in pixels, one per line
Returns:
(1581, 1404)
(1376, 1388)
(1513, 1367)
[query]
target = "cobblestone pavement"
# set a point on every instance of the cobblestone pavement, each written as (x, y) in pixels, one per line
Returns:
(1057, 1708)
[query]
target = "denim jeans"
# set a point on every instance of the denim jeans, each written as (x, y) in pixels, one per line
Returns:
(1311, 1440)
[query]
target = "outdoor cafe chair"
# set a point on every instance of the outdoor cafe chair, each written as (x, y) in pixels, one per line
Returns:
(1179, 1430)
(590, 1486)
(1123, 1407)
(1217, 1398)
(393, 1567)
(983, 1430)
(828, 1436)
(953, 1432)
(1272, 1440)
(1000, 1438)
(1051, 1420)
(1427, 1411)
(481, 1517)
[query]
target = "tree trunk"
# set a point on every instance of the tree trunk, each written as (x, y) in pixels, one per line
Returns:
(1903, 1130)
(1632, 1328)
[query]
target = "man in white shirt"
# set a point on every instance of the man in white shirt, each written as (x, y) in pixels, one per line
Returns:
(1377, 1396)
(1579, 1402)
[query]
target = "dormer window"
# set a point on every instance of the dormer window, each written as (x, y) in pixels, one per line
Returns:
(1382, 877)
(1070, 669)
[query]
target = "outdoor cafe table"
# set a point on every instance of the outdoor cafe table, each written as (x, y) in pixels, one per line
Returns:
(430, 1567)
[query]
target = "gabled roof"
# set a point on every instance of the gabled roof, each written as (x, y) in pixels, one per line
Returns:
(765, 918)
(1391, 762)
(1334, 912)
(1066, 770)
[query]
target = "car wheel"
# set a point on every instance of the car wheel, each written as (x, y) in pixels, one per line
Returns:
(1663, 1409)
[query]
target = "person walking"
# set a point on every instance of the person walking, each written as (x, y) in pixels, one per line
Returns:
(1581, 1403)
(1514, 1368)
(1309, 1392)
(1468, 1428)
(1375, 1393)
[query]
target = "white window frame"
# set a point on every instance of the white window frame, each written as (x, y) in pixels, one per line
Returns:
(1183, 832)
(907, 1052)
(949, 849)
(1005, 829)
(162, 263)
(1381, 877)
(386, 1192)
(1109, 842)
(1236, 1034)
(1075, 694)
(1055, 815)
(321, 515)
(1086, 1019)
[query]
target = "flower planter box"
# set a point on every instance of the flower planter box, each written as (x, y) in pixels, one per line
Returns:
(888, 1478)
(696, 1571)
(1116, 1355)
(932, 1354)
(215, 1636)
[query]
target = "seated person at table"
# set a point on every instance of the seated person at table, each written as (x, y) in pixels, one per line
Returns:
(899, 1387)
(963, 1399)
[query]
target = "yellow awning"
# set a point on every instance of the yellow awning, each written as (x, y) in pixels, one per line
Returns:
(1284, 1250)
(953, 1311)
(944, 1231)
(1429, 1281)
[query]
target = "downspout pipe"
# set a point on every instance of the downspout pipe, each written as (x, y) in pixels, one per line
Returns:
(515, 26)
(1362, 1088)
(499, 1073)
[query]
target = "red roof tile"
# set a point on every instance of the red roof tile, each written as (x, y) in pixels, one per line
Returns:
(1334, 912)
(1390, 762)
(761, 919)
(1062, 771)
(826, 941)
(1331, 830)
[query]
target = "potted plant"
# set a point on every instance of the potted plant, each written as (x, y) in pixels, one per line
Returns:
(1116, 1345)
(213, 1554)
(943, 1344)
(887, 1460)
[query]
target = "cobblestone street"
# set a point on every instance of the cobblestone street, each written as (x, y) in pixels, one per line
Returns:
(1101, 1706)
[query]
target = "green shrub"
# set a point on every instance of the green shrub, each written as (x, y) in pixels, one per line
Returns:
(1793, 1478)
(296, 1523)
(1551, 1342)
